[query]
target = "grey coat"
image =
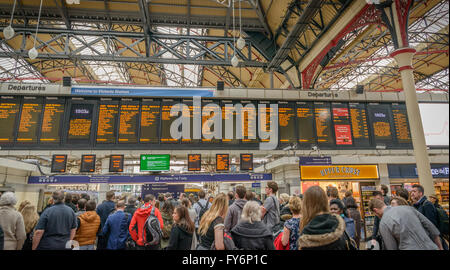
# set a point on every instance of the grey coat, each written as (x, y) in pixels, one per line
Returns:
(234, 214)
(404, 228)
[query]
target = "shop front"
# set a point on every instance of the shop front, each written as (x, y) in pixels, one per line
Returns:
(359, 179)
(405, 176)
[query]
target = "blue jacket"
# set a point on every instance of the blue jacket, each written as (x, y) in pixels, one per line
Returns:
(103, 210)
(350, 227)
(116, 228)
(426, 208)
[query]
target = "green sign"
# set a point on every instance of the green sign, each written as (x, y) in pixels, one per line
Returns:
(152, 163)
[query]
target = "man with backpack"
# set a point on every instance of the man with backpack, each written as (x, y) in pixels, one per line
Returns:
(200, 208)
(116, 228)
(426, 208)
(146, 225)
(104, 210)
(235, 209)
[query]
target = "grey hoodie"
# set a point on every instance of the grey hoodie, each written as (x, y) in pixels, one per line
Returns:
(234, 214)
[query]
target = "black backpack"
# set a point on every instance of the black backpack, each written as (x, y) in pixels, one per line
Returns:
(442, 221)
(203, 210)
(152, 230)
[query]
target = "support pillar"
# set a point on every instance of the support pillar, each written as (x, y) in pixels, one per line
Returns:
(384, 176)
(103, 188)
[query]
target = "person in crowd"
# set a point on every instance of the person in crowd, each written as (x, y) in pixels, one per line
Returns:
(284, 200)
(192, 215)
(249, 195)
(88, 223)
(319, 229)
(385, 191)
(57, 225)
(131, 206)
(376, 237)
(235, 210)
(270, 211)
(30, 219)
(2, 238)
(230, 198)
(12, 223)
(211, 227)
(211, 198)
(435, 201)
(160, 201)
(397, 201)
(347, 194)
(181, 197)
(251, 233)
(68, 202)
(139, 202)
(22, 205)
(404, 193)
(171, 200)
(257, 198)
(49, 204)
(192, 199)
(116, 228)
(104, 210)
(167, 213)
(81, 205)
(354, 213)
(138, 220)
(332, 193)
(292, 226)
(85, 196)
(285, 213)
(337, 208)
(75, 198)
(404, 228)
(182, 230)
(200, 207)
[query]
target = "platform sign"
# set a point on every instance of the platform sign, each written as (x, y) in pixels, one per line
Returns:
(59, 163)
(314, 161)
(87, 163)
(116, 163)
(155, 163)
(222, 162)
(246, 162)
(194, 162)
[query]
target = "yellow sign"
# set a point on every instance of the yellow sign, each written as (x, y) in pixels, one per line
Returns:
(334, 172)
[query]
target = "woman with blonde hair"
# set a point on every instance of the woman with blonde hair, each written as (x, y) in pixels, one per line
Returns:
(211, 226)
(23, 204)
(30, 219)
(292, 226)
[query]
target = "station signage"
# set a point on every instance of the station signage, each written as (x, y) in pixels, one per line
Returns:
(337, 172)
(155, 163)
(140, 91)
(314, 161)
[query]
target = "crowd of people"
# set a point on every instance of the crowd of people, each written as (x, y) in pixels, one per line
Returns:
(316, 219)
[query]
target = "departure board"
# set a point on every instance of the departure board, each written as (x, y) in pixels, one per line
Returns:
(360, 130)
(228, 114)
(150, 117)
(286, 122)
(197, 113)
(116, 163)
(59, 163)
(166, 122)
(9, 110)
(29, 122)
(250, 123)
(208, 121)
(305, 123)
(129, 122)
(106, 125)
(322, 116)
(380, 120)
(342, 127)
(246, 162)
(51, 122)
(194, 162)
(401, 123)
(222, 162)
(80, 123)
(265, 122)
(87, 163)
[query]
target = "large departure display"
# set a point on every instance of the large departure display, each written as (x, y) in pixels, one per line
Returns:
(322, 115)
(9, 110)
(222, 162)
(107, 121)
(132, 124)
(80, 123)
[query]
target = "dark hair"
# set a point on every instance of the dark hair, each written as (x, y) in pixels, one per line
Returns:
(249, 195)
(419, 187)
(332, 192)
(132, 200)
(85, 196)
(167, 207)
(273, 185)
(403, 192)
(58, 196)
(185, 202)
(68, 198)
(160, 197)
(377, 193)
(240, 191)
(339, 204)
(385, 189)
(81, 204)
(400, 200)
(185, 220)
(90, 205)
(120, 204)
(350, 203)
(75, 198)
(109, 195)
(201, 194)
(348, 193)
(149, 197)
(230, 195)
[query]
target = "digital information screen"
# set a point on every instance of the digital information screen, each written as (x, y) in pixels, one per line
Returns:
(207, 121)
(264, 122)
(106, 125)
(246, 162)
(59, 163)
(342, 127)
(360, 130)
(194, 162)
(305, 122)
(250, 124)
(322, 116)
(29, 122)
(51, 122)
(222, 162)
(381, 124)
(150, 117)
(192, 112)
(128, 123)
(87, 163)
(116, 163)
(80, 123)
(9, 110)
(286, 122)
(227, 114)
(166, 122)
(152, 163)
(401, 123)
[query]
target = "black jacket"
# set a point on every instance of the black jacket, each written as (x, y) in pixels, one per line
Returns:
(426, 208)
(180, 239)
(73, 206)
(324, 232)
(254, 236)
(130, 208)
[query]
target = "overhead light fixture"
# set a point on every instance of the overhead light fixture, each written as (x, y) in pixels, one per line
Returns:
(8, 32)
(70, 2)
(234, 61)
(240, 44)
(33, 53)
